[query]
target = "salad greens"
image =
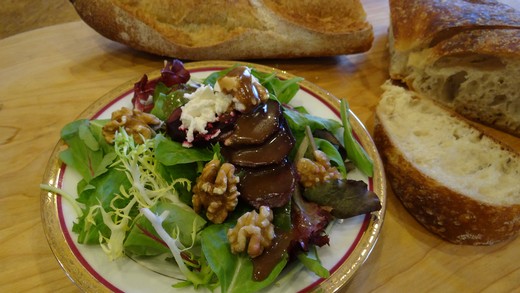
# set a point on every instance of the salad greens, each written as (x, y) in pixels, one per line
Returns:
(355, 151)
(135, 199)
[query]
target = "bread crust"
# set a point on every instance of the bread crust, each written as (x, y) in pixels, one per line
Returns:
(335, 17)
(453, 216)
(247, 31)
(418, 24)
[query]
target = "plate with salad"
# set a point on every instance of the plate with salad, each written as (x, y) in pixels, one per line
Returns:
(214, 176)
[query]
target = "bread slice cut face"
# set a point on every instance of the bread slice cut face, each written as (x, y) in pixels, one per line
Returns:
(455, 180)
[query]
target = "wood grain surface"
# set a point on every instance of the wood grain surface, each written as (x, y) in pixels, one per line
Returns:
(50, 75)
(17, 16)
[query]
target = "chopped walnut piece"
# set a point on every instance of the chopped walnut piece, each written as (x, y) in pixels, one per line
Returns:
(320, 170)
(138, 124)
(255, 227)
(216, 191)
(244, 87)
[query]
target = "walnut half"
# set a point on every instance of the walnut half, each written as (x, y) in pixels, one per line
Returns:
(138, 124)
(254, 231)
(320, 170)
(216, 191)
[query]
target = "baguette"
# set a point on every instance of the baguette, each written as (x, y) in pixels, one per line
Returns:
(455, 180)
(239, 29)
(465, 54)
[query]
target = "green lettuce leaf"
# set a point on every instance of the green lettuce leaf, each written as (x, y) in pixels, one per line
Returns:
(234, 271)
(101, 193)
(170, 152)
(87, 152)
(143, 239)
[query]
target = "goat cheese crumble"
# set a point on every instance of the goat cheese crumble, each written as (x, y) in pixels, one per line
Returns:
(205, 105)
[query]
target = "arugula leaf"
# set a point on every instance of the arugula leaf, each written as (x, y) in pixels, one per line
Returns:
(355, 151)
(314, 265)
(213, 77)
(233, 271)
(281, 90)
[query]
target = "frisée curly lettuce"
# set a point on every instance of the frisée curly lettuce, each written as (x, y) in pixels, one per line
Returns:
(222, 177)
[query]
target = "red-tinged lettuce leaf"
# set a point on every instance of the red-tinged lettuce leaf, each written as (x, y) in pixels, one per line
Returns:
(309, 222)
(143, 91)
(143, 240)
(346, 198)
(172, 74)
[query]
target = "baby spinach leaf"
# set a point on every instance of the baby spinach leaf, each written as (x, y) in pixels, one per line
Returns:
(332, 152)
(170, 152)
(167, 99)
(101, 192)
(235, 272)
(298, 121)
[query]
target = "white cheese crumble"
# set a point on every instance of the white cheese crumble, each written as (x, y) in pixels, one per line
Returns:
(204, 106)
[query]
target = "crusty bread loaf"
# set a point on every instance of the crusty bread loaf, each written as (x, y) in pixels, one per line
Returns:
(238, 29)
(456, 181)
(463, 53)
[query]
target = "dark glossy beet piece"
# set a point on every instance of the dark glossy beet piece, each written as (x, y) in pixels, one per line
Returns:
(273, 151)
(269, 186)
(256, 127)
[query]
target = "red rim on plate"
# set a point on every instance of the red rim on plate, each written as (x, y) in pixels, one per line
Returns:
(86, 277)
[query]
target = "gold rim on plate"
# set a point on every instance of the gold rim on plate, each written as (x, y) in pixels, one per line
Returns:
(339, 278)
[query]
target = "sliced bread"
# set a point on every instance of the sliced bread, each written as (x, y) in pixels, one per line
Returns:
(463, 53)
(455, 180)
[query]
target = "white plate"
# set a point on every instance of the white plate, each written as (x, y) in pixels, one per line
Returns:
(351, 240)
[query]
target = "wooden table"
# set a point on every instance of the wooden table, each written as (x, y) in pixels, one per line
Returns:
(48, 76)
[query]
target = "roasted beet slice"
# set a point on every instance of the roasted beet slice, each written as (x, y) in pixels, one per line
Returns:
(273, 151)
(256, 127)
(269, 186)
